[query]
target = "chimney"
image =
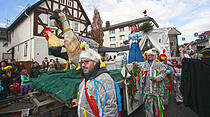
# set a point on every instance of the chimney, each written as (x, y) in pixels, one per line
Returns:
(107, 24)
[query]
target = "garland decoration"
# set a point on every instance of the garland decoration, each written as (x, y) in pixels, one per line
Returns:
(146, 27)
(132, 84)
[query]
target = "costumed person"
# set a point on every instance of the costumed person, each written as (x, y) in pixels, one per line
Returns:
(14, 87)
(177, 81)
(25, 82)
(154, 73)
(97, 94)
(135, 54)
(167, 83)
(10, 74)
(195, 83)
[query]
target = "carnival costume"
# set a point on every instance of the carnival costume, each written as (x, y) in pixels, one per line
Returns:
(168, 81)
(177, 82)
(152, 89)
(97, 95)
(25, 85)
(135, 54)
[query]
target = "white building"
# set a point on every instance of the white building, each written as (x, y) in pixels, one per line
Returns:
(26, 32)
(114, 35)
(4, 45)
(202, 42)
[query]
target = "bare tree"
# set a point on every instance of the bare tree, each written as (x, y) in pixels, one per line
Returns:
(96, 28)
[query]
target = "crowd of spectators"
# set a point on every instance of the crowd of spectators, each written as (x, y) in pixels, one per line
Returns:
(15, 77)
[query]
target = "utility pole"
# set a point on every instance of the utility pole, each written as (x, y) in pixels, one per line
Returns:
(7, 20)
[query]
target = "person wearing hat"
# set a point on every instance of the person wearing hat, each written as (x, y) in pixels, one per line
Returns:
(154, 73)
(168, 81)
(177, 81)
(195, 84)
(97, 95)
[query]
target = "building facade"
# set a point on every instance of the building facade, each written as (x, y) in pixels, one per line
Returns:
(202, 42)
(4, 45)
(26, 32)
(114, 35)
(160, 38)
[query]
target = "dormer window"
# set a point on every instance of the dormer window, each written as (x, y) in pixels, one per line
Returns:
(69, 3)
(62, 1)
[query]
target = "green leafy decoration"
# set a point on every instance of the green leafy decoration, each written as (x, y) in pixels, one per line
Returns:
(132, 88)
(146, 27)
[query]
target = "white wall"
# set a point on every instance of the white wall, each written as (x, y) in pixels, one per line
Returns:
(117, 34)
(20, 35)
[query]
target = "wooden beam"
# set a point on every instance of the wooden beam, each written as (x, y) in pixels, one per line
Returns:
(52, 3)
(47, 5)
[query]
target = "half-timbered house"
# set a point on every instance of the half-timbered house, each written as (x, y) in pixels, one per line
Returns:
(26, 32)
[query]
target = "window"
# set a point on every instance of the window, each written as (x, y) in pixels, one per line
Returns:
(62, 1)
(76, 27)
(111, 31)
(113, 45)
(121, 29)
(112, 39)
(52, 23)
(69, 3)
(25, 49)
(5, 43)
(122, 37)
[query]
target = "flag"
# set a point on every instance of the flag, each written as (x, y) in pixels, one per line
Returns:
(195, 34)
(183, 38)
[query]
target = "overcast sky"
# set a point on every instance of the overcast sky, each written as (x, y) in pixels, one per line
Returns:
(188, 16)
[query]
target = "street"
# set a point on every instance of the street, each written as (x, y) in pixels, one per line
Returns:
(173, 110)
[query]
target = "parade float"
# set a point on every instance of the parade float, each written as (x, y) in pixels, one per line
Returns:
(56, 89)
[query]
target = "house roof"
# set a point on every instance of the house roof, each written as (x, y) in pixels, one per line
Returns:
(174, 31)
(127, 23)
(198, 41)
(29, 10)
(113, 49)
(22, 16)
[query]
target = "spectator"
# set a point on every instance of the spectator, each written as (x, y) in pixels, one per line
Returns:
(11, 74)
(20, 67)
(3, 64)
(5, 85)
(35, 70)
(25, 85)
(14, 87)
(57, 64)
(6, 61)
(45, 64)
(1, 89)
(51, 68)
(14, 64)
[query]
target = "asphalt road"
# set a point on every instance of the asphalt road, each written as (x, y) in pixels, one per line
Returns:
(173, 110)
